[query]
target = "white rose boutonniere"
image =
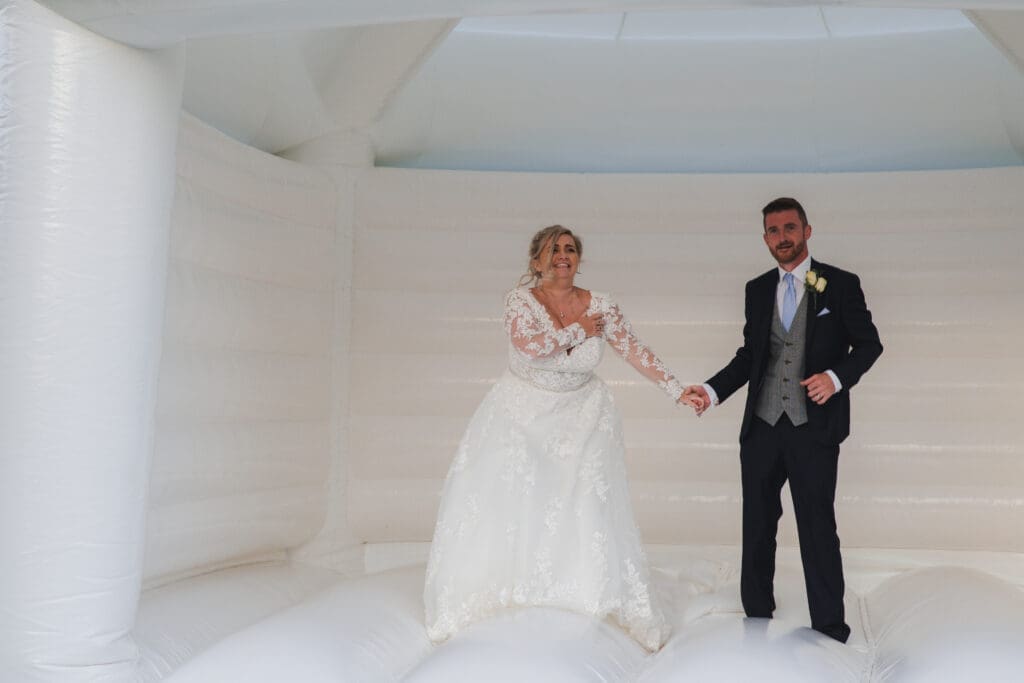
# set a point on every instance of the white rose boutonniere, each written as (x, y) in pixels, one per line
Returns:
(815, 284)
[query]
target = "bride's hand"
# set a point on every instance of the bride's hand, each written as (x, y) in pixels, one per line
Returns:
(692, 399)
(593, 325)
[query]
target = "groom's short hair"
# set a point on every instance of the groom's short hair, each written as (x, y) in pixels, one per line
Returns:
(783, 204)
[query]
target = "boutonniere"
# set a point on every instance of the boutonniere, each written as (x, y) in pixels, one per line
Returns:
(815, 283)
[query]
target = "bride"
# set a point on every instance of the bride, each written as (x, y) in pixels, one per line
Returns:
(536, 509)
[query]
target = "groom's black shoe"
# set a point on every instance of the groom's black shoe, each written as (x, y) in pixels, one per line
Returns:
(840, 632)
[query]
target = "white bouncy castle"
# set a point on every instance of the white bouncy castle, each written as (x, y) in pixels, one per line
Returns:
(252, 261)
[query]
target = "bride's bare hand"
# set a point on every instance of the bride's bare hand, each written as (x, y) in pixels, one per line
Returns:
(693, 400)
(593, 325)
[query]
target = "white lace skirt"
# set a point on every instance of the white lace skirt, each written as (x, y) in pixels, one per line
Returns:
(536, 511)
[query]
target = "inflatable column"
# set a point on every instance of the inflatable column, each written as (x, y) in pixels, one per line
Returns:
(346, 156)
(88, 129)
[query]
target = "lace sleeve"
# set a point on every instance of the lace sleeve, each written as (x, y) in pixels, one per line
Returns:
(621, 337)
(531, 335)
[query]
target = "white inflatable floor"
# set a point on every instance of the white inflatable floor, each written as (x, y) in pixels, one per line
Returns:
(910, 621)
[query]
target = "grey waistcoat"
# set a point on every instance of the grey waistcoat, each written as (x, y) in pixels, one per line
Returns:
(781, 391)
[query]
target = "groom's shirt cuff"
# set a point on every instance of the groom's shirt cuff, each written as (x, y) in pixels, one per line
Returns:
(711, 394)
(835, 380)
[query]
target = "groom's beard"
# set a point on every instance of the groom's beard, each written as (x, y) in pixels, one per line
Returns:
(797, 252)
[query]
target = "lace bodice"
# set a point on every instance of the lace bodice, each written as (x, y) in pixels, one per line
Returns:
(538, 351)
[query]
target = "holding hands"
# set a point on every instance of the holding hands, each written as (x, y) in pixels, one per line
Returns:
(697, 397)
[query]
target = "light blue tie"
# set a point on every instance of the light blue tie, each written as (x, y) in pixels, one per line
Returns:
(789, 301)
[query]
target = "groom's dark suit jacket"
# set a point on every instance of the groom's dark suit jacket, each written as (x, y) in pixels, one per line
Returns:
(840, 337)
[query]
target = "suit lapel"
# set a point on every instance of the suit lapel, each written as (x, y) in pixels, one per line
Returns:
(767, 296)
(814, 304)
(763, 326)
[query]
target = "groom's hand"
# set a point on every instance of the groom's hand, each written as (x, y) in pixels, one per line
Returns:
(819, 388)
(698, 392)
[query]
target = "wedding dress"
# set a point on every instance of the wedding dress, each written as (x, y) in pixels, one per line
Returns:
(536, 508)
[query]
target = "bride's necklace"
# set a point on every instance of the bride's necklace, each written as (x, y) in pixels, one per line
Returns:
(559, 307)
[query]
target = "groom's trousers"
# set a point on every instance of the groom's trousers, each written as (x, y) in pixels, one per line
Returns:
(769, 455)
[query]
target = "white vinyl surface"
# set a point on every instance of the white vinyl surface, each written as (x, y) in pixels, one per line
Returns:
(243, 430)
(85, 195)
(926, 624)
(935, 456)
(933, 462)
(211, 355)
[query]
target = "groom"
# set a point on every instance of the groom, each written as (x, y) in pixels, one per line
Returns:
(807, 340)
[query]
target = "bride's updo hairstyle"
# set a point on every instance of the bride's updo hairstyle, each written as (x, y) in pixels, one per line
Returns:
(542, 249)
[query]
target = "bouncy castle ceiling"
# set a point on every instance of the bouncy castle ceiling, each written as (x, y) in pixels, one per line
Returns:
(660, 87)
(753, 90)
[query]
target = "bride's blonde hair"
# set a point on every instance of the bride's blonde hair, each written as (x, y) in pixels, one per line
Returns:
(543, 243)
